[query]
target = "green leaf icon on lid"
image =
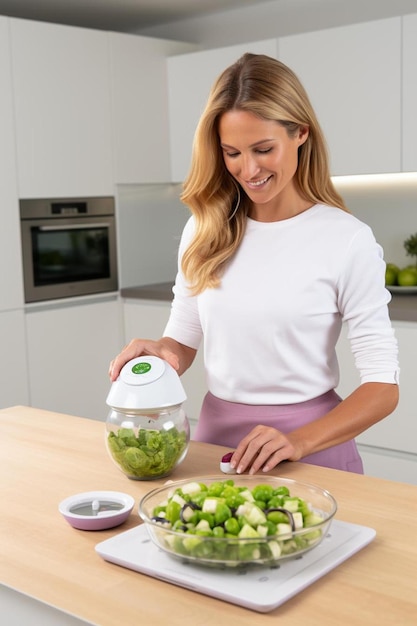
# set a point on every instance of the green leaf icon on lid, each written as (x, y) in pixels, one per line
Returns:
(141, 368)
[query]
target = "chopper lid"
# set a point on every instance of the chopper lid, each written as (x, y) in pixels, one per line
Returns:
(146, 382)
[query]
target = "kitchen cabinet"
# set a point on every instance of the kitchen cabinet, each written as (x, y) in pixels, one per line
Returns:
(91, 109)
(144, 318)
(147, 319)
(69, 348)
(388, 464)
(139, 97)
(11, 279)
(409, 93)
(62, 110)
(389, 448)
(353, 77)
(190, 77)
(14, 388)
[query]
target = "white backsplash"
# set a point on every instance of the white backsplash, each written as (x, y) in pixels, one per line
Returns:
(150, 220)
(389, 205)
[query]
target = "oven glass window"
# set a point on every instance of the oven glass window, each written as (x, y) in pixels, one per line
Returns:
(73, 254)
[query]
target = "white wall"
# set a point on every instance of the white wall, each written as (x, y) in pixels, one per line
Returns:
(277, 18)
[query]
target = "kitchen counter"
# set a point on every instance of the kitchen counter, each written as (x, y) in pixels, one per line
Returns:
(156, 291)
(402, 307)
(46, 457)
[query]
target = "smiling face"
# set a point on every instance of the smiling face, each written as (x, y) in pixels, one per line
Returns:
(263, 158)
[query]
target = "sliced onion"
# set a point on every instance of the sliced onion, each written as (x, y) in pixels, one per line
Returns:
(160, 520)
(188, 505)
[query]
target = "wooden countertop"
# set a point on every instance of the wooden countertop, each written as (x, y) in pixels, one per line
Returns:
(46, 457)
(402, 307)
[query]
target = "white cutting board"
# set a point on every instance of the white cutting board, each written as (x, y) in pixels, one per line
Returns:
(259, 588)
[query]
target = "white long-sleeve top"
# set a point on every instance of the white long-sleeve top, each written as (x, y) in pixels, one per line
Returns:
(271, 327)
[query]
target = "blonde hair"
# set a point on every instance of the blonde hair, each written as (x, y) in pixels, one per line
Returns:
(269, 89)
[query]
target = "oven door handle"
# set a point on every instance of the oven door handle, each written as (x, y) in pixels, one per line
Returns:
(74, 227)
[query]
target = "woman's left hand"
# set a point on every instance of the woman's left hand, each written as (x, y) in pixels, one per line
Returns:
(263, 448)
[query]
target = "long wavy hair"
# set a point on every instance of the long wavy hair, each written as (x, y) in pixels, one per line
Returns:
(269, 89)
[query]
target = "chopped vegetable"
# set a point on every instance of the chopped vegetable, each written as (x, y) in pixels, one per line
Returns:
(225, 464)
(147, 454)
(250, 524)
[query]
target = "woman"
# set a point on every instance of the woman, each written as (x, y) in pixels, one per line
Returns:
(270, 265)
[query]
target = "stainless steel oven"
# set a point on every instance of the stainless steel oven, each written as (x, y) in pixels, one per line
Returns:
(68, 247)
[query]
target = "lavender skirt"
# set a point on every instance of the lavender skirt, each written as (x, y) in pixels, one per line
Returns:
(226, 423)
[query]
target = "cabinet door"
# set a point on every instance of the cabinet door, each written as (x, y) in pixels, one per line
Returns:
(14, 388)
(11, 281)
(383, 463)
(409, 93)
(70, 347)
(389, 448)
(144, 318)
(190, 78)
(140, 107)
(148, 319)
(399, 430)
(353, 77)
(62, 104)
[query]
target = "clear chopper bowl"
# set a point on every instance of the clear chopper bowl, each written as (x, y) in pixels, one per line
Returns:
(147, 429)
(147, 445)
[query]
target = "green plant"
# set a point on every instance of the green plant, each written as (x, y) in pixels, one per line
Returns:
(410, 246)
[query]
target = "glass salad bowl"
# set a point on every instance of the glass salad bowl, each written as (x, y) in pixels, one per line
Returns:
(242, 520)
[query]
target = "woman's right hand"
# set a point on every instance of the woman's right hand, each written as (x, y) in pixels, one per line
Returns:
(139, 347)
